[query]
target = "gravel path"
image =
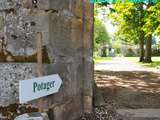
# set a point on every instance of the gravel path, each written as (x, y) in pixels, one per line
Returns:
(125, 85)
(122, 64)
(103, 113)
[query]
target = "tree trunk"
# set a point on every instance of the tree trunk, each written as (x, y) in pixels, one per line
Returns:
(141, 37)
(141, 59)
(103, 52)
(148, 52)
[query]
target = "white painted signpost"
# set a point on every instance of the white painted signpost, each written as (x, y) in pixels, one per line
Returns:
(38, 87)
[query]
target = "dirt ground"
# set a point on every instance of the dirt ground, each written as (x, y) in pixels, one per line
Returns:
(125, 85)
(127, 90)
(130, 89)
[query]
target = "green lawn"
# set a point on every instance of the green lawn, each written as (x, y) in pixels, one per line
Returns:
(155, 63)
(102, 59)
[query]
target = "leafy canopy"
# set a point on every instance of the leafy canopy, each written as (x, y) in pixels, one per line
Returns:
(101, 35)
(129, 18)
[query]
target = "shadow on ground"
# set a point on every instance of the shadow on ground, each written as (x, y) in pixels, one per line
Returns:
(130, 89)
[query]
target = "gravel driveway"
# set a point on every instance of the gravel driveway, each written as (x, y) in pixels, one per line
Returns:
(125, 85)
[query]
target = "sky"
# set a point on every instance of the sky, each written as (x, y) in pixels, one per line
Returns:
(103, 16)
(110, 28)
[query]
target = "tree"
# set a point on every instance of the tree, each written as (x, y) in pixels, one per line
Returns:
(130, 23)
(152, 25)
(101, 36)
(137, 23)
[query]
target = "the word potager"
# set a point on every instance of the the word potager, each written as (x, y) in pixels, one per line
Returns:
(43, 86)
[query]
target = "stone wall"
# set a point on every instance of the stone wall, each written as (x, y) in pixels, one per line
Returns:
(66, 26)
(9, 76)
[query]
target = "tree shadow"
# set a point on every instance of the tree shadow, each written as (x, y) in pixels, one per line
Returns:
(130, 89)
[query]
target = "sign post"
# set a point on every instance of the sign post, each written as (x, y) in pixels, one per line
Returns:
(38, 87)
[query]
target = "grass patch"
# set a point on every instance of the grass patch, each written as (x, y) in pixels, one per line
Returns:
(133, 59)
(102, 59)
(154, 64)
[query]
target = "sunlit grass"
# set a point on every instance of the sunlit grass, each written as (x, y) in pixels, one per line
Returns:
(102, 59)
(133, 59)
(154, 64)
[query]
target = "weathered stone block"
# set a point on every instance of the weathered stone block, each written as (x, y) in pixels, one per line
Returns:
(88, 104)
(6, 4)
(10, 75)
(44, 4)
(61, 4)
(70, 110)
(66, 29)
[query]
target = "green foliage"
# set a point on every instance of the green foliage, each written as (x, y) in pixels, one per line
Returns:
(134, 20)
(101, 36)
(152, 20)
(117, 46)
(102, 59)
(136, 23)
(155, 64)
(129, 22)
(121, 1)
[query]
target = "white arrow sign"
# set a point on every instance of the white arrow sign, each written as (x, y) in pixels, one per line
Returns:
(38, 87)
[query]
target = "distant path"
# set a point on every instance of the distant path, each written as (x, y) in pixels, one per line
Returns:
(134, 89)
(122, 64)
